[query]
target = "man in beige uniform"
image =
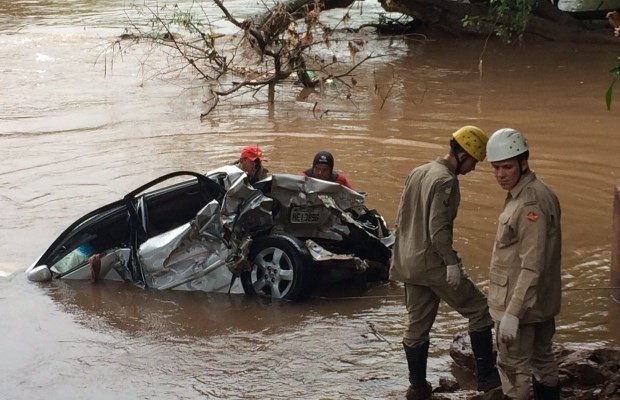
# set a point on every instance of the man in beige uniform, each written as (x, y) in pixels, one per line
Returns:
(525, 281)
(424, 259)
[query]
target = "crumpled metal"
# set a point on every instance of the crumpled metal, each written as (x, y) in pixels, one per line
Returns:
(189, 257)
(192, 256)
(304, 192)
(320, 254)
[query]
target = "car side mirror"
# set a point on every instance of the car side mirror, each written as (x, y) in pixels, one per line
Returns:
(40, 274)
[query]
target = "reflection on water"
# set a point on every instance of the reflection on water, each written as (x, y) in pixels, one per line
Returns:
(172, 313)
(73, 139)
(215, 338)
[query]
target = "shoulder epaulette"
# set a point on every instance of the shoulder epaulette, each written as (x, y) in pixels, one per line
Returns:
(529, 196)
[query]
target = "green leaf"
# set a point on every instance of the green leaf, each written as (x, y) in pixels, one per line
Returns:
(609, 94)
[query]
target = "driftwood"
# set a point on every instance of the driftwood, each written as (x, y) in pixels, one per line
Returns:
(297, 8)
(273, 22)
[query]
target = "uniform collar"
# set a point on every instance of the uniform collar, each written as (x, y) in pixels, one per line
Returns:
(527, 177)
(445, 163)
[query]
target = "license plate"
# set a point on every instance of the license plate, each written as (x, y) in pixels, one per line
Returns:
(304, 215)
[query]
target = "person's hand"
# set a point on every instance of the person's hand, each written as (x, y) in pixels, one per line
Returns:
(453, 275)
(508, 327)
(459, 260)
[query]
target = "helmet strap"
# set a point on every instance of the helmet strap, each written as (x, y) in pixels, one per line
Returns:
(521, 170)
(460, 161)
(454, 152)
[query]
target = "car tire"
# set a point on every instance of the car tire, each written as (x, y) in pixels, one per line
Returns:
(281, 268)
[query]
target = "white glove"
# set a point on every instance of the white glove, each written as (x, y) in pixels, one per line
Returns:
(508, 327)
(453, 275)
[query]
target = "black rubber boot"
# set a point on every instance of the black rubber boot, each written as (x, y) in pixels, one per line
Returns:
(482, 346)
(419, 388)
(544, 392)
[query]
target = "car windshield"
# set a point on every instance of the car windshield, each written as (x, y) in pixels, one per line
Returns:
(75, 258)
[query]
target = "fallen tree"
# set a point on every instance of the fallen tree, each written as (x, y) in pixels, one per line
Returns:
(507, 19)
(277, 46)
(271, 48)
(511, 20)
(480, 17)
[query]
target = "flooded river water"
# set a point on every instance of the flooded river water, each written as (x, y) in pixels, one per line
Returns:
(78, 131)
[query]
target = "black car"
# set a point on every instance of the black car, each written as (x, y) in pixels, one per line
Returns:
(217, 233)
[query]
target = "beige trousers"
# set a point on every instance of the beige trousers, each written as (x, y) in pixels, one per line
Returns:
(531, 354)
(423, 302)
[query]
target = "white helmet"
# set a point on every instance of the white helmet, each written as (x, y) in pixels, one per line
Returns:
(505, 143)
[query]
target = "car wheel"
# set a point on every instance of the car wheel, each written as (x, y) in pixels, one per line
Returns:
(281, 268)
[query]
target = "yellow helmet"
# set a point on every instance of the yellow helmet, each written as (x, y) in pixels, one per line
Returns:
(473, 141)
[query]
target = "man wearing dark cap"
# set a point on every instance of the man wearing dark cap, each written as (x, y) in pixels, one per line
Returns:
(323, 168)
(251, 161)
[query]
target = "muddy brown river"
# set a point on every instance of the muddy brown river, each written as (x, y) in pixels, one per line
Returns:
(80, 127)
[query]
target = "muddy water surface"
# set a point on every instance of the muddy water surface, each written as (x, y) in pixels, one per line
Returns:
(78, 131)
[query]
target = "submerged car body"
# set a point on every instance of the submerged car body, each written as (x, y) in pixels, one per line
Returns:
(217, 233)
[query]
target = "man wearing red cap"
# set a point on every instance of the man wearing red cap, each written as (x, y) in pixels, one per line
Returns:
(323, 168)
(251, 161)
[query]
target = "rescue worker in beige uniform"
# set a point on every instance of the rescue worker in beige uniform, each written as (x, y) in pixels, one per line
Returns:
(525, 281)
(425, 261)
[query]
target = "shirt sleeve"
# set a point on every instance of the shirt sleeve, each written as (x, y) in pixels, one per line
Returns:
(343, 181)
(441, 219)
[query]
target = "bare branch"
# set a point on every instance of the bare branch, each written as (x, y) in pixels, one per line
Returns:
(228, 15)
(216, 101)
(340, 76)
(276, 37)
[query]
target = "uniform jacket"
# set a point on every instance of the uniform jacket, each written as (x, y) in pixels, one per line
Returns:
(334, 177)
(428, 207)
(525, 276)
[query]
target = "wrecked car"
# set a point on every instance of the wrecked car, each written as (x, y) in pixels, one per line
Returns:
(217, 233)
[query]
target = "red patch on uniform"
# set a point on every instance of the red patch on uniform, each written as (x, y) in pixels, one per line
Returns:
(532, 216)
